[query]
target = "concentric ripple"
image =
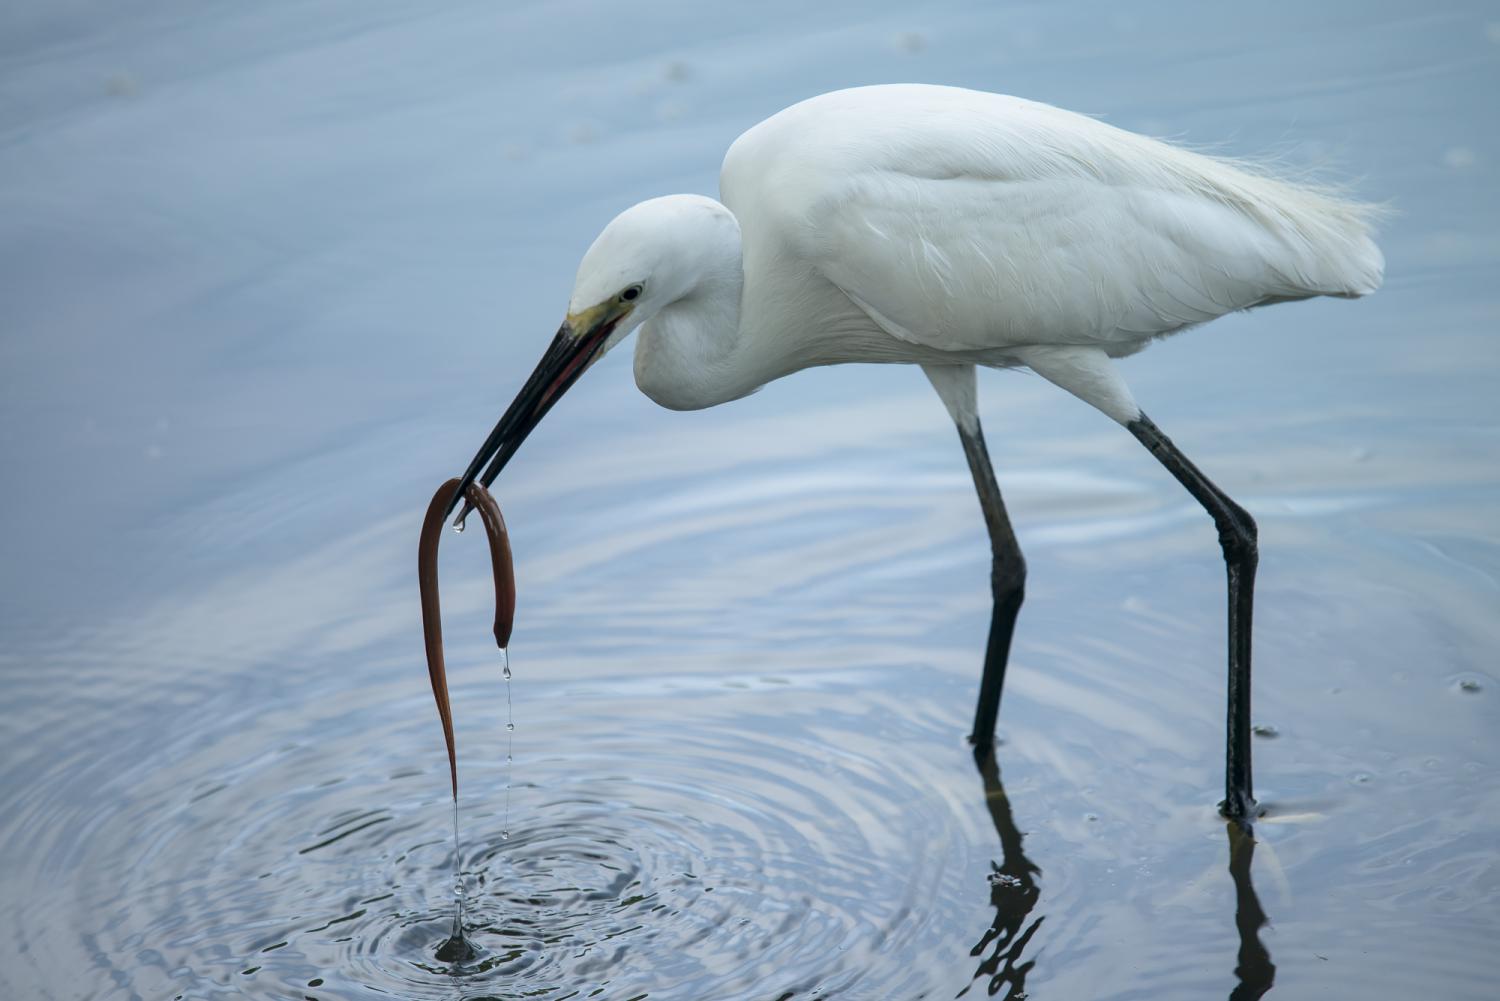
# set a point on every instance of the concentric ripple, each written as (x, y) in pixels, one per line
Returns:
(710, 860)
(702, 834)
(761, 844)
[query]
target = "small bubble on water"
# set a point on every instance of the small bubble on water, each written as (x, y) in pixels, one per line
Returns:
(504, 835)
(510, 726)
(1470, 686)
(1266, 730)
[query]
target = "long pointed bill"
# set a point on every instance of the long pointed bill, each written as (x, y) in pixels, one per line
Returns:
(577, 345)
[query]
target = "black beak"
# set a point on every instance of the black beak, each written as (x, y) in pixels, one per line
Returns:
(566, 358)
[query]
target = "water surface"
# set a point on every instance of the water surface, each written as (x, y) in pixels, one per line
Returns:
(269, 276)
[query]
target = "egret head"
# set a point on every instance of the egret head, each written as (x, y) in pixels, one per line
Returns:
(648, 257)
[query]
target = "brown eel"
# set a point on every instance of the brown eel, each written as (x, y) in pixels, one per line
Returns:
(427, 580)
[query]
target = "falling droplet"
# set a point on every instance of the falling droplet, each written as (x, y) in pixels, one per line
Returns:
(510, 740)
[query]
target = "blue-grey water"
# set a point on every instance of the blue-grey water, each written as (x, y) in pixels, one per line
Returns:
(269, 272)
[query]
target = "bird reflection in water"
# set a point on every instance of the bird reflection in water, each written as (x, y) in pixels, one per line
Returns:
(1256, 972)
(1014, 892)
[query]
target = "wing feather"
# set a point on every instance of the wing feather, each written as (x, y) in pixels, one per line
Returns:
(974, 222)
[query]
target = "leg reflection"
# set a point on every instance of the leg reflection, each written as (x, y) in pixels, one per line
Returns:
(1013, 894)
(1255, 971)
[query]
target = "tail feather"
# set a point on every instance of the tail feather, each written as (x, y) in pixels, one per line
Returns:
(1334, 242)
(1326, 239)
(1329, 240)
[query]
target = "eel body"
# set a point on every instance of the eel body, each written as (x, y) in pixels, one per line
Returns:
(427, 581)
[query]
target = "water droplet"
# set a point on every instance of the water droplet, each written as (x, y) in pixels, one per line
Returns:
(458, 527)
(510, 727)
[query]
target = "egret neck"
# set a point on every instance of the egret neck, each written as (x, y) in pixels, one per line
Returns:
(690, 355)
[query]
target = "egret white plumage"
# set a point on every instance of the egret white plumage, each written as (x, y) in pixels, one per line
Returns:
(950, 228)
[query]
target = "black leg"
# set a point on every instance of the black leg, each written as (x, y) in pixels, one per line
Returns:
(1237, 537)
(1007, 584)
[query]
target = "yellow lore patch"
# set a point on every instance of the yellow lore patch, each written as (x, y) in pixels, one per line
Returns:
(588, 320)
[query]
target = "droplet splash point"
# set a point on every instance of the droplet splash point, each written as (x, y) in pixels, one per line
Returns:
(456, 949)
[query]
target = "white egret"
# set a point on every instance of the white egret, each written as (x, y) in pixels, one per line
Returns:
(951, 228)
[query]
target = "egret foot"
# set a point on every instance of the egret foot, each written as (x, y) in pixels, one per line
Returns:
(1240, 807)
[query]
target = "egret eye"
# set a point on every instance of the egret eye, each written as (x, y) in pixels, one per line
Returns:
(633, 292)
